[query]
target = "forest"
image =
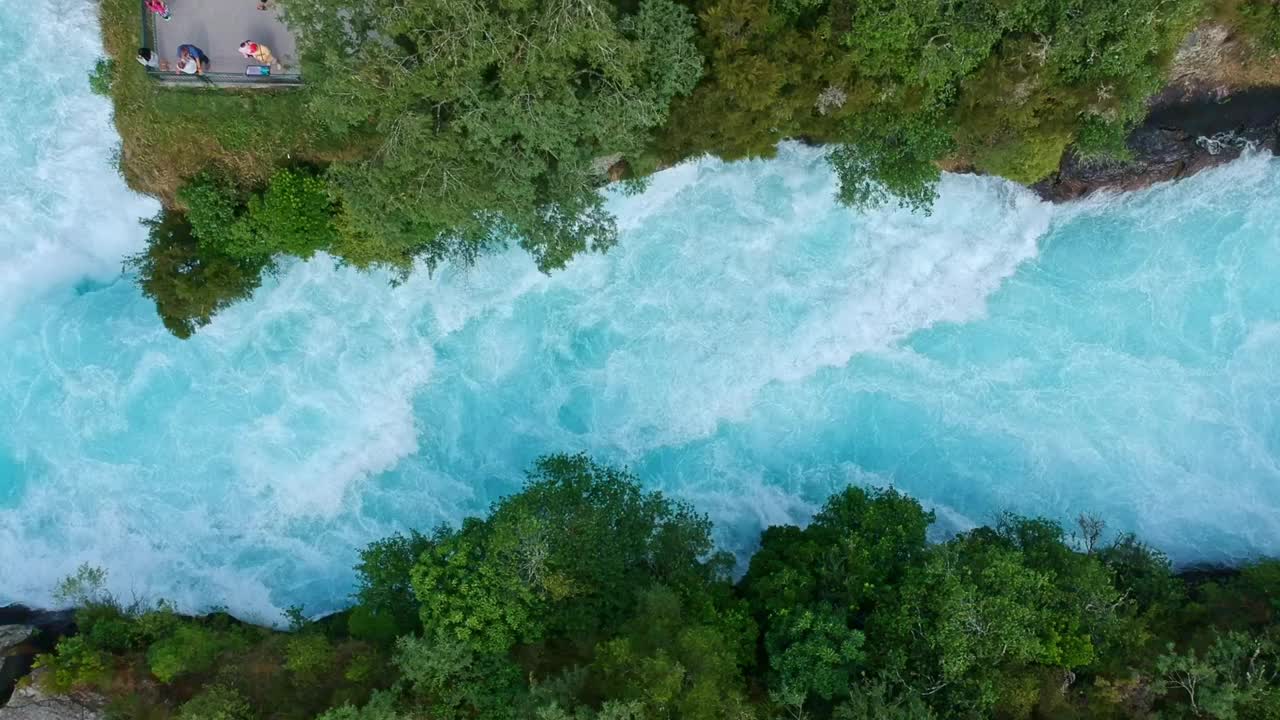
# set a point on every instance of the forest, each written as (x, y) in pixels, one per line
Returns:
(432, 132)
(587, 597)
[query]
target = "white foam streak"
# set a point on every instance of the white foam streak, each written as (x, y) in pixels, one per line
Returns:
(65, 214)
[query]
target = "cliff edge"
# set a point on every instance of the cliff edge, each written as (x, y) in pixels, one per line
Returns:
(1220, 100)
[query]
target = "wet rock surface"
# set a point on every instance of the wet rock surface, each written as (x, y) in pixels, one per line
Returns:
(24, 633)
(1179, 138)
(29, 702)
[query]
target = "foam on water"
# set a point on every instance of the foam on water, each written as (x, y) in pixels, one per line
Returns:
(64, 214)
(749, 346)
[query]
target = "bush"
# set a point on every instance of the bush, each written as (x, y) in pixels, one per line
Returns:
(213, 204)
(294, 215)
(103, 76)
(308, 656)
(76, 663)
(363, 667)
(1260, 20)
(387, 607)
(217, 702)
(190, 649)
(106, 627)
(87, 587)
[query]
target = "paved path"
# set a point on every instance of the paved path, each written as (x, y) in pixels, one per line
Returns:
(218, 27)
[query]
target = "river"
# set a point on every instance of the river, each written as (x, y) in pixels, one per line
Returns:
(749, 346)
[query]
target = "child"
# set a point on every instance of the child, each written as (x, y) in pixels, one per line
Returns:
(158, 7)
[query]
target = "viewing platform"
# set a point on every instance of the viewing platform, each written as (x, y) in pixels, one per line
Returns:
(218, 27)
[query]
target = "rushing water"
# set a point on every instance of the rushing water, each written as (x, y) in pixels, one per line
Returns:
(749, 346)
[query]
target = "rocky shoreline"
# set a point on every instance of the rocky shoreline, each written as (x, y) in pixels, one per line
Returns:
(24, 633)
(1178, 139)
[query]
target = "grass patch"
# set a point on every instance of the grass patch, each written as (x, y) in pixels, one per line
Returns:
(171, 134)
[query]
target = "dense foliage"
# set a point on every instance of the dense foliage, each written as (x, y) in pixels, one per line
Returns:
(491, 114)
(897, 85)
(585, 597)
(215, 254)
(443, 130)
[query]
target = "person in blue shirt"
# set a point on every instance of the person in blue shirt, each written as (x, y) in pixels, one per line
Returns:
(191, 60)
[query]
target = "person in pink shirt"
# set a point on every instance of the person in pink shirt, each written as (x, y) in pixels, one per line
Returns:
(158, 7)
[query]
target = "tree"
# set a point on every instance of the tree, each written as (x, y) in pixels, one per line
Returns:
(490, 117)
(385, 605)
(293, 215)
(668, 663)
(1239, 672)
(973, 621)
(188, 283)
(895, 86)
(569, 555)
(874, 700)
(856, 550)
(813, 653)
(811, 589)
(454, 680)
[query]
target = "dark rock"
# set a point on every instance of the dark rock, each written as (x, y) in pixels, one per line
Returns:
(13, 636)
(24, 633)
(1176, 140)
(31, 703)
(48, 622)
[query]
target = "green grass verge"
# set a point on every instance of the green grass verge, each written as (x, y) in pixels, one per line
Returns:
(170, 134)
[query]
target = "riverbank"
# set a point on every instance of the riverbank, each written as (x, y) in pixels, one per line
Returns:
(26, 633)
(584, 596)
(1177, 140)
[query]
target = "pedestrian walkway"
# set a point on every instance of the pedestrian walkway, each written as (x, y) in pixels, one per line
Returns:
(218, 27)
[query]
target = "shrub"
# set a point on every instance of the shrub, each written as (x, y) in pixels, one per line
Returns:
(190, 649)
(76, 663)
(102, 77)
(87, 587)
(387, 607)
(213, 205)
(380, 628)
(363, 667)
(216, 702)
(294, 215)
(1260, 20)
(155, 623)
(106, 627)
(308, 656)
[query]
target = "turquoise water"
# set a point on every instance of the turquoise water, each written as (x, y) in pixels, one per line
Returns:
(749, 346)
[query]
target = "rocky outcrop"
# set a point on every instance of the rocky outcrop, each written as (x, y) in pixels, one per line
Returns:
(29, 702)
(14, 636)
(1176, 141)
(1222, 96)
(24, 633)
(14, 655)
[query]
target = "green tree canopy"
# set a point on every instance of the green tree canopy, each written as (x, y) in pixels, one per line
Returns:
(490, 114)
(569, 556)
